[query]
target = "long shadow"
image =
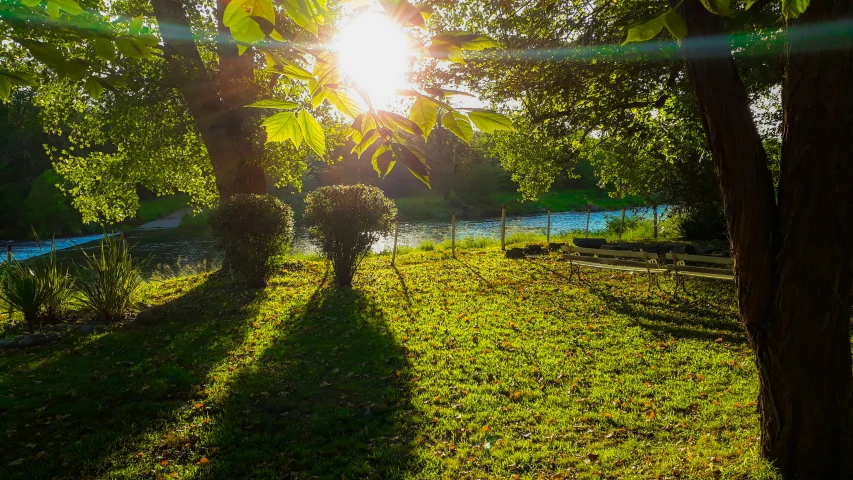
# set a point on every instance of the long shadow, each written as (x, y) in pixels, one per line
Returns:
(326, 401)
(84, 402)
(681, 320)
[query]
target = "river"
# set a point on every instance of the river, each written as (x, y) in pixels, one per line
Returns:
(195, 244)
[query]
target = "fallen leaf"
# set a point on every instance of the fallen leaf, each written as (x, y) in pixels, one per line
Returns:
(203, 461)
(325, 384)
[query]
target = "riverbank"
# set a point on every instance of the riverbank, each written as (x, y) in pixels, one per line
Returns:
(476, 367)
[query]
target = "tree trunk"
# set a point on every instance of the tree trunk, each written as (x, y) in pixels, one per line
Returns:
(794, 264)
(229, 131)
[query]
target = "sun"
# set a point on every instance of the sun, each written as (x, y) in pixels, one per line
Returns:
(374, 55)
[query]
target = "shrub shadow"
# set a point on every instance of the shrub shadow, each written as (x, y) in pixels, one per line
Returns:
(328, 400)
(92, 398)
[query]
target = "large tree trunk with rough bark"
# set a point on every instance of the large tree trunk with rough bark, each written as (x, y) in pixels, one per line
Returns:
(230, 132)
(794, 255)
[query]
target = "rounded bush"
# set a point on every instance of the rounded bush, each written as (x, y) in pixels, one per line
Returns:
(344, 221)
(250, 231)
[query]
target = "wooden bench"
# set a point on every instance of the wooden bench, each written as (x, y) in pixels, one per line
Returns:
(621, 260)
(684, 265)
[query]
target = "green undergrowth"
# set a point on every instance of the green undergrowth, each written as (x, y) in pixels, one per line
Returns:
(474, 367)
(160, 207)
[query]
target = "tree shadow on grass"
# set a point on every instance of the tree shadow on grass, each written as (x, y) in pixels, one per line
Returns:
(328, 400)
(88, 400)
(683, 318)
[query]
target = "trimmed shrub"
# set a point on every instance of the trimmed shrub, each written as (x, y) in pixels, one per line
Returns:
(111, 278)
(251, 230)
(706, 223)
(344, 221)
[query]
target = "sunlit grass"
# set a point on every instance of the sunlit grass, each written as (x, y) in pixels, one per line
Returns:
(478, 367)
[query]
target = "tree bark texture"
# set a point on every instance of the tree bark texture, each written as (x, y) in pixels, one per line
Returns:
(794, 258)
(229, 131)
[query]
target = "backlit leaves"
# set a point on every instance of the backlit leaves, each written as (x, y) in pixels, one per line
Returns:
(274, 104)
(459, 125)
(791, 8)
(308, 14)
(649, 29)
(406, 14)
(296, 127)
(282, 127)
(489, 121)
(312, 132)
(424, 113)
(717, 7)
(105, 48)
(450, 45)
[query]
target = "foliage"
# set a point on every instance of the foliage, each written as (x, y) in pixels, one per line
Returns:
(59, 284)
(251, 230)
(110, 280)
(618, 224)
(703, 224)
(443, 345)
(49, 211)
(345, 221)
(24, 289)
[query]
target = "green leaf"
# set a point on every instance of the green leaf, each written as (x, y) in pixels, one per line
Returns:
(344, 103)
(93, 88)
(441, 92)
(312, 131)
(105, 48)
(404, 13)
(390, 119)
(675, 24)
(308, 14)
(489, 121)
(131, 47)
(459, 125)
(366, 141)
(275, 104)
(241, 9)
(282, 127)
(43, 52)
(424, 113)
(135, 27)
(791, 8)
(30, 3)
(646, 30)
(5, 88)
(383, 160)
(53, 9)
(69, 6)
(721, 7)
(413, 160)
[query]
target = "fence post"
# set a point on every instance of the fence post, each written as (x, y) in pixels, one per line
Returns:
(9, 262)
(396, 228)
(548, 231)
(622, 230)
(503, 227)
(656, 221)
(588, 213)
(453, 234)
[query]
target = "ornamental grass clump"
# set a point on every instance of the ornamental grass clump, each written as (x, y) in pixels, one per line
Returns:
(344, 221)
(24, 289)
(59, 284)
(251, 231)
(111, 278)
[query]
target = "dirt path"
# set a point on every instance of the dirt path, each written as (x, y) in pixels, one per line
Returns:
(171, 221)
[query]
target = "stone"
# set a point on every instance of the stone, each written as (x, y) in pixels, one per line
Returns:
(5, 342)
(534, 249)
(100, 328)
(515, 253)
(27, 341)
(86, 329)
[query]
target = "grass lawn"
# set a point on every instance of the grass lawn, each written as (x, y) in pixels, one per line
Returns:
(476, 367)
